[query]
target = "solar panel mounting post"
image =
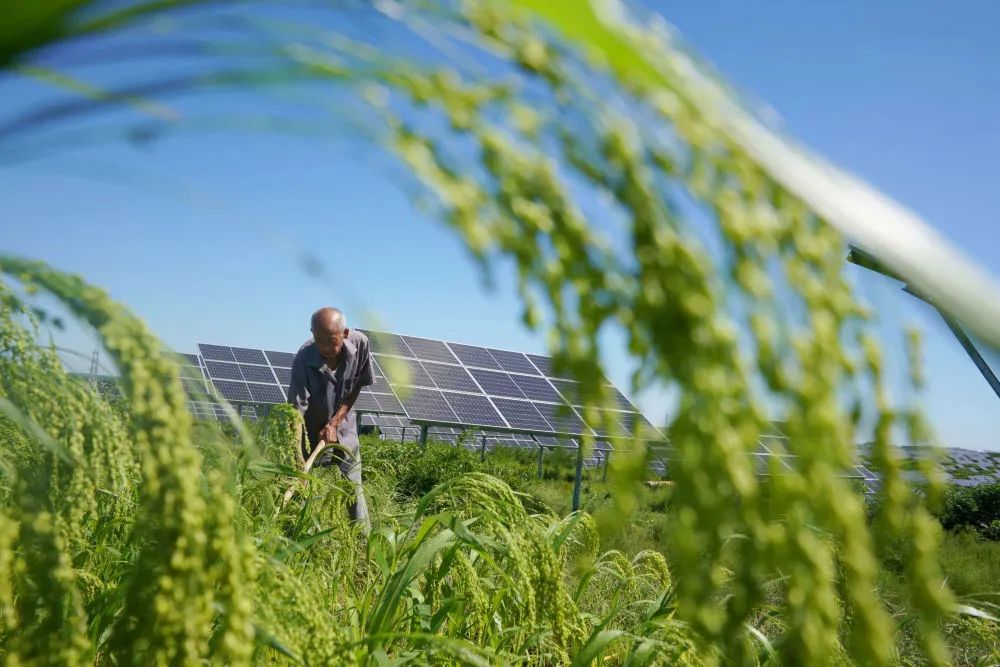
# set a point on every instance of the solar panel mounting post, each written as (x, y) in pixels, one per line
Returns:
(578, 479)
(482, 450)
(423, 435)
(607, 458)
(541, 453)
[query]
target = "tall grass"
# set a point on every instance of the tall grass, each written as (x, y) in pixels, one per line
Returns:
(123, 541)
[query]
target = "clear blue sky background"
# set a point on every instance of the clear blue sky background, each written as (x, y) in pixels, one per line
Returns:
(203, 235)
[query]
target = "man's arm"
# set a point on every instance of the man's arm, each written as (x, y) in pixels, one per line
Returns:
(365, 378)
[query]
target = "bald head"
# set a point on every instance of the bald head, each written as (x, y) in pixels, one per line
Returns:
(329, 329)
(328, 319)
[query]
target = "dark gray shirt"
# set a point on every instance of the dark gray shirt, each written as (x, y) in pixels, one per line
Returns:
(318, 391)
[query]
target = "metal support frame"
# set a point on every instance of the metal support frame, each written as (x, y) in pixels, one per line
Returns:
(868, 261)
(578, 479)
(423, 435)
(970, 349)
(607, 460)
(541, 454)
(482, 450)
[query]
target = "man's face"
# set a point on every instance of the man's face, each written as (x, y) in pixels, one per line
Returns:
(329, 341)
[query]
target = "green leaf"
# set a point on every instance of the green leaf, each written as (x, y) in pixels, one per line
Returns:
(595, 645)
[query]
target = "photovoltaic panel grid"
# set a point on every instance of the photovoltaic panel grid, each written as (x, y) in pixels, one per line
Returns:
(438, 383)
(444, 383)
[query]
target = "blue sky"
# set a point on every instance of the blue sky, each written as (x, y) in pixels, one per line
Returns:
(203, 235)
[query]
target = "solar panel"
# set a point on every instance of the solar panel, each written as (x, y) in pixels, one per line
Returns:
(257, 373)
(366, 403)
(416, 376)
(280, 359)
(474, 410)
(454, 378)
(620, 398)
(220, 370)
(265, 393)
(448, 383)
(388, 403)
(522, 415)
(191, 358)
(248, 356)
(379, 386)
(630, 420)
(471, 355)
(536, 388)
(427, 405)
(563, 419)
(495, 383)
(388, 343)
(233, 391)
(216, 352)
(432, 350)
(514, 362)
(284, 376)
(197, 389)
(542, 363)
(570, 391)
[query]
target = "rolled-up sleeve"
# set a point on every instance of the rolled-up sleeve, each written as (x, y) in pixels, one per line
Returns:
(298, 389)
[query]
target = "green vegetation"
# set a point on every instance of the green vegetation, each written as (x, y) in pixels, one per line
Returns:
(130, 536)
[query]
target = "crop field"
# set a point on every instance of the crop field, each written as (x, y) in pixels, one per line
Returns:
(468, 562)
(582, 151)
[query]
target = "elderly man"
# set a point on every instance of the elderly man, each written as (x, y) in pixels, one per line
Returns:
(327, 376)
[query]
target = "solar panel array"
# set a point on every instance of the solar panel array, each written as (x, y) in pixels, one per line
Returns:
(444, 383)
(772, 457)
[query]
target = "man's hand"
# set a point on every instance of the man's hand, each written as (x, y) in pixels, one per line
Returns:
(329, 432)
